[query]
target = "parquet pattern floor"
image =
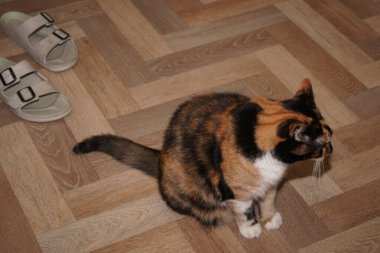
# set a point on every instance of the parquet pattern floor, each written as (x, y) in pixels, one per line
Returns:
(139, 59)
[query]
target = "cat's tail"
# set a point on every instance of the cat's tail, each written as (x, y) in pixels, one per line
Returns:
(124, 150)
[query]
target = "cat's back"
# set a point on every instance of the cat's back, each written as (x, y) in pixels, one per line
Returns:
(199, 118)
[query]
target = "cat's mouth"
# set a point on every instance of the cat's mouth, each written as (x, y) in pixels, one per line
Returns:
(323, 151)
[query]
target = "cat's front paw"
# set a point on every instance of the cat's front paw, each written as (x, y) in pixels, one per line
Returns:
(275, 222)
(250, 231)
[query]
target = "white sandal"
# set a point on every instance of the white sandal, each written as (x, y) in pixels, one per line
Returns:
(28, 93)
(50, 46)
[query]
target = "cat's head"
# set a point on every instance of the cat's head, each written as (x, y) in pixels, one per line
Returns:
(307, 136)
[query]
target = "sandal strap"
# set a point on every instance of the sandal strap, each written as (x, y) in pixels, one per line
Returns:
(57, 37)
(34, 23)
(30, 94)
(13, 74)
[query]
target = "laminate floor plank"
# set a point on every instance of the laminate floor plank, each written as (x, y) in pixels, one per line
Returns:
(345, 171)
(15, 232)
(166, 238)
(108, 92)
(365, 104)
(222, 29)
(133, 71)
(109, 227)
(351, 208)
(163, 18)
(212, 52)
(363, 9)
(301, 225)
(138, 61)
(52, 141)
(291, 72)
(363, 238)
(344, 20)
(138, 31)
(319, 63)
(366, 135)
(324, 34)
(194, 81)
(32, 183)
(222, 9)
(123, 187)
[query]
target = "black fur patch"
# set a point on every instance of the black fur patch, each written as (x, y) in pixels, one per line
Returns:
(253, 213)
(303, 104)
(245, 120)
(223, 187)
(284, 127)
(329, 129)
(283, 152)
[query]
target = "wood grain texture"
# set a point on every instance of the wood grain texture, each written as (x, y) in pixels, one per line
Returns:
(167, 238)
(266, 84)
(291, 72)
(363, 9)
(139, 60)
(7, 117)
(142, 36)
(194, 81)
(133, 71)
(75, 10)
(104, 87)
(311, 55)
(365, 104)
(368, 74)
(374, 22)
(164, 19)
(15, 232)
(212, 52)
(344, 19)
(123, 187)
(219, 239)
(324, 33)
(86, 113)
(363, 238)
(222, 9)
(108, 227)
(350, 208)
(222, 29)
(313, 189)
(52, 141)
(345, 171)
(179, 5)
(301, 226)
(366, 135)
(31, 181)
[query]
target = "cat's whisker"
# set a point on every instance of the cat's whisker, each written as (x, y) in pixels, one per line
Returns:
(318, 170)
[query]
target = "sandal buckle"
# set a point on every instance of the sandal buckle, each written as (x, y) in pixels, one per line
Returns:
(47, 17)
(61, 34)
(27, 94)
(8, 77)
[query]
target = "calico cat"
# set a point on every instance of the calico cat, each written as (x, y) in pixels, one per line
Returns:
(225, 154)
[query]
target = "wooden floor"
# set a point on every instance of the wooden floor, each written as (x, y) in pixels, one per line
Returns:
(138, 60)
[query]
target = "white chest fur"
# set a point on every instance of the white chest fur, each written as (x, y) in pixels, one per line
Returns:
(271, 171)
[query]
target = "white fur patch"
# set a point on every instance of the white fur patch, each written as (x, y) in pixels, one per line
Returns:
(240, 206)
(271, 170)
(275, 222)
(250, 231)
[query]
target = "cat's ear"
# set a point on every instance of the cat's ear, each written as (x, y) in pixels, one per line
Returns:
(293, 129)
(298, 133)
(305, 91)
(304, 97)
